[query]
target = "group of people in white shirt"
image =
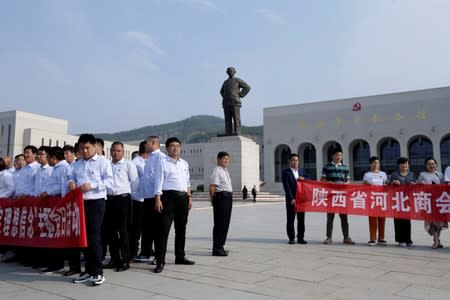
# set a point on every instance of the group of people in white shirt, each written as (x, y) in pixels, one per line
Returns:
(143, 197)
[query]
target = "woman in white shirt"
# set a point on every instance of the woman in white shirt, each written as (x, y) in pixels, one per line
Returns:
(376, 177)
(431, 176)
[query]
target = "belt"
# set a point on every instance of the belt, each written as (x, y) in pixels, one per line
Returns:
(173, 192)
(126, 195)
(224, 193)
(94, 199)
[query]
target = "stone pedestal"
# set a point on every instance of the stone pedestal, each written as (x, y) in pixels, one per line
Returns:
(244, 163)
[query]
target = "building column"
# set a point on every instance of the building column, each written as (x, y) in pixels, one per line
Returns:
(437, 152)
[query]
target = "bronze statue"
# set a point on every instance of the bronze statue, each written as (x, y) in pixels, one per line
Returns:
(233, 89)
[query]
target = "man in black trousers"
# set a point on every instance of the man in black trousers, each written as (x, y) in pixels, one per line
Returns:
(221, 195)
(289, 177)
(173, 200)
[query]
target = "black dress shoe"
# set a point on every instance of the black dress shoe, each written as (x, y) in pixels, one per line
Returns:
(122, 267)
(302, 241)
(184, 261)
(159, 268)
(291, 242)
(219, 253)
(110, 265)
(71, 272)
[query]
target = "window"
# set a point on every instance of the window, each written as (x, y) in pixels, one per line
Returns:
(282, 153)
(419, 148)
(308, 155)
(360, 159)
(445, 152)
(389, 153)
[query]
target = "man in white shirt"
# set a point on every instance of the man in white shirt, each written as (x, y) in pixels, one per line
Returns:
(44, 172)
(19, 162)
(92, 174)
(221, 195)
(118, 205)
(52, 186)
(6, 180)
(69, 156)
(25, 178)
(138, 202)
(149, 216)
(173, 200)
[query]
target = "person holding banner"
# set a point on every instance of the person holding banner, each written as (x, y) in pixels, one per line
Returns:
(92, 174)
(337, 172)
(25, 178)
(52, 186)
(376, 177)
(6, 180)
(447, 175)
(402, 227)
(432, 176)
(42, 176)
(289, 179)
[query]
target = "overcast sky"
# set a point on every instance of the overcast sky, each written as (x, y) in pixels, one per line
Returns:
(109, 65)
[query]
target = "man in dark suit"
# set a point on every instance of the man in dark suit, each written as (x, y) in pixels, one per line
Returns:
(289, 178)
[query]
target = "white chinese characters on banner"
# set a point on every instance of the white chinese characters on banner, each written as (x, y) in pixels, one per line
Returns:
(443, 202)
(359, 199)
(19, 222)
(422, 202)
(379, 199)
(339, 199)
(319, 197)
(400, 204)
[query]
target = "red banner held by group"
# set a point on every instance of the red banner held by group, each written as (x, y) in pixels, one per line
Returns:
(429, 202)
(53, 222)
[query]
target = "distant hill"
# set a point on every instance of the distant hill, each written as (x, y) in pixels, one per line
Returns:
(196, 129)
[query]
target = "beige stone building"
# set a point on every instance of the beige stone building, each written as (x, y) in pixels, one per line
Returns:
(413, 124)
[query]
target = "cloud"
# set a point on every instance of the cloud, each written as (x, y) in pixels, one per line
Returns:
(271, 16)
(144, 40)
(206, 3)
(144, 51)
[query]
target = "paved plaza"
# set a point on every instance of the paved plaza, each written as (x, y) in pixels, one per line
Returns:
(261, 265)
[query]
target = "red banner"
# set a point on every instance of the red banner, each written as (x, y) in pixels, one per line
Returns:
(429, 202)
(53, 222)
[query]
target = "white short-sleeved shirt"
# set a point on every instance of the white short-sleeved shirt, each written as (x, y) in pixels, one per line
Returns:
(447, 174)
(221, 179)
(375, 178)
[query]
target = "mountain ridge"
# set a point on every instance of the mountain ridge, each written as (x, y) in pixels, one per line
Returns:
(195, 129)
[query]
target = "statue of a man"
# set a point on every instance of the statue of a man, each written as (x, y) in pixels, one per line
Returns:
(233, 89)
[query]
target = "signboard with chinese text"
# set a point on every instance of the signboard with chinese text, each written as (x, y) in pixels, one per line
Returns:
(429, 202)
(53, 222)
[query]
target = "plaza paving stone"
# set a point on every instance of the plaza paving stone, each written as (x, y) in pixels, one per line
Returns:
(262, 265)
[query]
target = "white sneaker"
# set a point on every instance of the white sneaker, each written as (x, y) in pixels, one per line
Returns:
(371, 243)
(141, 258)
(152, 260)
(50, 270)
(97, 280)
(402, 244)
(7, 255)
(82, 278)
